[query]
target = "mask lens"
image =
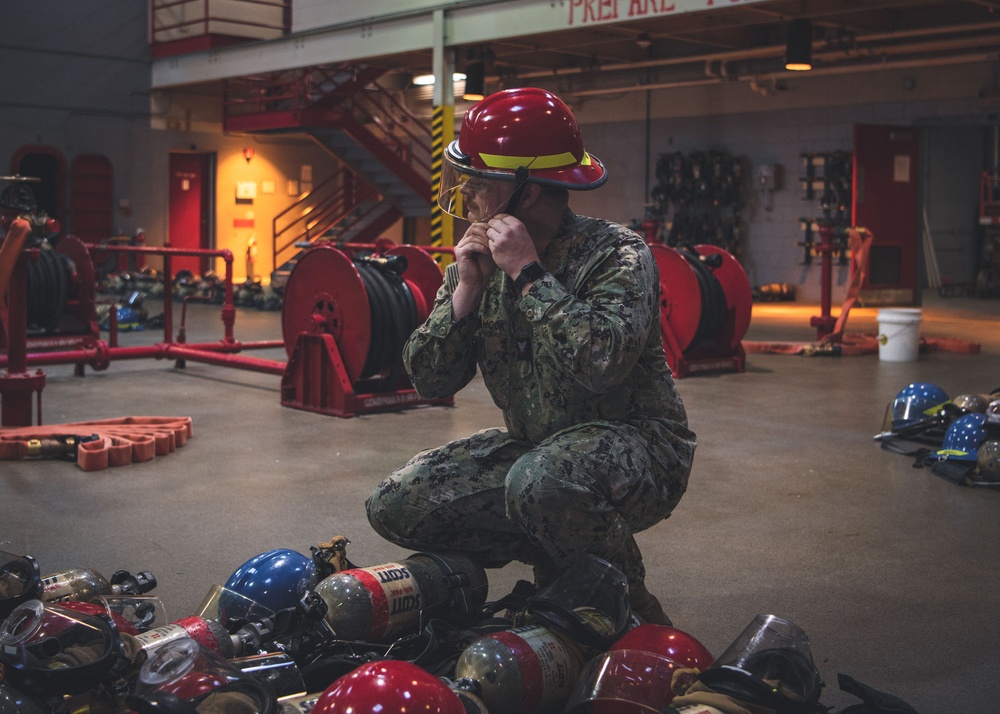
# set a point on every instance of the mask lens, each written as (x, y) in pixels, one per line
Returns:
(473, 198)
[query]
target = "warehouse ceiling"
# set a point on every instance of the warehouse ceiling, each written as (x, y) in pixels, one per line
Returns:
(740, 42)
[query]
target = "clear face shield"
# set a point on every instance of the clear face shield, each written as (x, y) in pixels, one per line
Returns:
(476, 196)
(770, 664)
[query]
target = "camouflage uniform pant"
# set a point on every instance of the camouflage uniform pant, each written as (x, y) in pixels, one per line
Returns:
(586, 489)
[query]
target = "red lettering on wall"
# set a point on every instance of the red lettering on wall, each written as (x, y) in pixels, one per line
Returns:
(641, 8)
(583, 11)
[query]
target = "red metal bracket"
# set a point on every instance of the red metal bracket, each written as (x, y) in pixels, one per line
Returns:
(316, 380)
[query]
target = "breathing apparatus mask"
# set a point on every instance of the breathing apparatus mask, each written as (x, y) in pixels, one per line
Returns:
(52, 649)
(769, 665)
(20, 580)
(182, 677)
(588, 601)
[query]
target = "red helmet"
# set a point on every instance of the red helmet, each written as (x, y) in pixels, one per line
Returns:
(670, 642)
(388, 686)
(623, 682)
(529, 128)
(636, 674)
(514, 136)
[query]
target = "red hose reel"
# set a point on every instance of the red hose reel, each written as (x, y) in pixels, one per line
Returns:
(705, 306)
(344, 318)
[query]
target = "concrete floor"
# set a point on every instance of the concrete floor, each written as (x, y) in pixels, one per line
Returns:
(792, 508)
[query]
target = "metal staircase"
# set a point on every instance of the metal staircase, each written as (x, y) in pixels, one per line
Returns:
(339, 210)
(386, 150)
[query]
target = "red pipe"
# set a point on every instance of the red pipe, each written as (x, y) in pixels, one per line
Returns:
(98, 354)
(254, 364)
(824, 322)
(16, 383)
(167, 251)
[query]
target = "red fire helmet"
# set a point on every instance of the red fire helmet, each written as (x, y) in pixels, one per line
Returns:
(527, 128)
(670, 642)
(388, 686)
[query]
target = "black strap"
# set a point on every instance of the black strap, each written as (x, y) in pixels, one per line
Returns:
(873, 701)
(521, 181)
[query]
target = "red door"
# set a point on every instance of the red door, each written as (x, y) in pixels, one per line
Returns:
(190, 208)
(886, 202)
(93, 198)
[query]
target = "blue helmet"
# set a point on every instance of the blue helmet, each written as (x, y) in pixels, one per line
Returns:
(917, 402)
(962, 440)
(276, 579)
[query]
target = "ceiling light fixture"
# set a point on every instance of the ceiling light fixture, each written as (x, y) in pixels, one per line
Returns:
(798, 48)
(423, 80)
(475, 82)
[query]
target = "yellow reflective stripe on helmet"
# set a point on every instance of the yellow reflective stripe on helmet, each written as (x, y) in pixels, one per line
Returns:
(552, 161)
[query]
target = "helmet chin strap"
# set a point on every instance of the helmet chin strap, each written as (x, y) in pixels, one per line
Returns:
(521, 182)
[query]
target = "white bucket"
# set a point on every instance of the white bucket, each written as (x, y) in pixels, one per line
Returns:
(898, 334)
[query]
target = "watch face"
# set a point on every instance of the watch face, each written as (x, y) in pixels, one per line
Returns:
(533, 271)
(530, 272)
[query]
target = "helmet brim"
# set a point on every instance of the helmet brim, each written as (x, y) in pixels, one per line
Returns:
(586, 175)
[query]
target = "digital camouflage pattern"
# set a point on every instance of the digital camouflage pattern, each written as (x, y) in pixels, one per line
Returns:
(596, 445)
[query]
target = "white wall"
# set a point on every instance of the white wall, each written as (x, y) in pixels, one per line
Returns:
(808, 116)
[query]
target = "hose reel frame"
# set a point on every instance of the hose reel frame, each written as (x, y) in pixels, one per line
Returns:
(62, 281)
(704, 308)
(345, 317)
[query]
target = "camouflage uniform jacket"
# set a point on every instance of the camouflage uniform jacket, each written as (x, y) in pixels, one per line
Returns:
(582, 345)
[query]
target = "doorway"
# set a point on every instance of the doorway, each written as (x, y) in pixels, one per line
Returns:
(47, 164)
(886, 196)
(954, 159)
(192, 208)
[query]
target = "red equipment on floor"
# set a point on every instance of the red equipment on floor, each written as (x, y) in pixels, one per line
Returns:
(345, 317)
(96, 445)
(705, 306)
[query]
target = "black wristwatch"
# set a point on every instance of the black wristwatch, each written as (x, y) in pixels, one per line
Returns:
(529, 273)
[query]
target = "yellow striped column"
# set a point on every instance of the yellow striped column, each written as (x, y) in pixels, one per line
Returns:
(442, 134)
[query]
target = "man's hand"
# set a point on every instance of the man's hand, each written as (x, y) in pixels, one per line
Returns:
(475, 267)
(510, 244)
(475, 264)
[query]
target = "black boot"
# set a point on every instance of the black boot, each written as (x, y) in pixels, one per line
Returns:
(645, 605)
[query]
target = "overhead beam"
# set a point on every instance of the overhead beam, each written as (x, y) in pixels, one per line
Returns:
(411, 28)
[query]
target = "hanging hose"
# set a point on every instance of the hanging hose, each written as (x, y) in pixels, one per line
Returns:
(393, 314)
(713, 298)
